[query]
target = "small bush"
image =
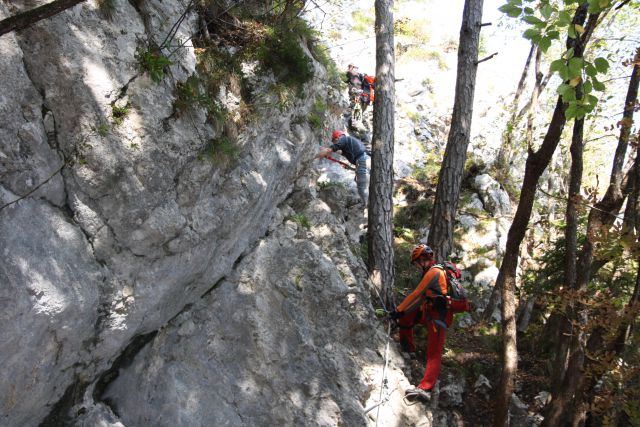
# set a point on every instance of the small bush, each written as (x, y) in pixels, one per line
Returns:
(153, 63)
(282, 54)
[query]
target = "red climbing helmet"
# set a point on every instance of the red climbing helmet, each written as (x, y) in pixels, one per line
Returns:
(336, 134)
(421, 250)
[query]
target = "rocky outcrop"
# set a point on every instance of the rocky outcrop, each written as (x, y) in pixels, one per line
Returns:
(128, 224)
(149, 280)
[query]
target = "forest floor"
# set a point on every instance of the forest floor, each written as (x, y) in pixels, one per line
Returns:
(473, 351)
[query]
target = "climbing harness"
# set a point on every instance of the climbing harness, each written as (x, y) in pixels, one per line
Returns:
(344, 164)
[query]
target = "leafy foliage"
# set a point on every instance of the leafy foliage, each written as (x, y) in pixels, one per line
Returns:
(153, 63)
(281, 53)
(547, 21)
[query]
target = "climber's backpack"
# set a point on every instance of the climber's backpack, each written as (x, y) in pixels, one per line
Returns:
(455, 290)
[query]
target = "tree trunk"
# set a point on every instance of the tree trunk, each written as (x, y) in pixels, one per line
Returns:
(381, 185)
(30, 17)
(450, 177)
(504, 153)
(568, 405)
(571, 245)
(530, 108)
(535, 165)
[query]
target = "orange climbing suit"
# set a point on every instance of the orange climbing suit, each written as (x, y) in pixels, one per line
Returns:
(417, 308)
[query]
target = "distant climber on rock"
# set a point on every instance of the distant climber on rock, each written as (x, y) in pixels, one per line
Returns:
(353, 150)
(354, 78)
(368, 94)
(431, 304)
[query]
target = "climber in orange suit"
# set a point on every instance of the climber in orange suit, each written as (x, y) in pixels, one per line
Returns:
(429, 305)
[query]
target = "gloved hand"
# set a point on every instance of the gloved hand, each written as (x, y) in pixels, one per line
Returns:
(393, 315)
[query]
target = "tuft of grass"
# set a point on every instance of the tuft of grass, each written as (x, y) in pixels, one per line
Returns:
(317, 114)
(118, 114)
(102, 129)
(220, 150)
(107, 8)
(301, 220)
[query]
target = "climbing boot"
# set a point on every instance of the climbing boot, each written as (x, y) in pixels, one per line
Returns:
(417, 393)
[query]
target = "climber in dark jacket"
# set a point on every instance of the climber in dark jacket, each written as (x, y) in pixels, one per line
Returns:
(354, 151)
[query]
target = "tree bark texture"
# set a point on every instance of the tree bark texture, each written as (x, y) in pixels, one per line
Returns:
(571, 245)
(451, 170)
(30, 17)
(381, 183)
(535, 165)
(569, 406)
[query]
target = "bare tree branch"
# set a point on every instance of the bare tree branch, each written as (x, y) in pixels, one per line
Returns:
(30, 17)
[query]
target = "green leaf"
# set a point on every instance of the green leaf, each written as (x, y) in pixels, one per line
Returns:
(545, 44)
(564, 18)
(557, 65)
(590, 69)
(575, 67)
(572, 111)
(528, 10)
(511, 10)
(567, 92)
(591, 100)
(553, 35)
(587, 87)
(546, 11)
(530, 19)
(597, 85)
(532, 34)
(602, 65)
(569, 53)
(571, 32)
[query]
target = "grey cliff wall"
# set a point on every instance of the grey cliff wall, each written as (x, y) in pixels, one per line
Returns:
(144, 285)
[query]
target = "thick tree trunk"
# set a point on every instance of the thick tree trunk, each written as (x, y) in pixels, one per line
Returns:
(535, 165)
(30, 17)
(450, 178)
(381, 184)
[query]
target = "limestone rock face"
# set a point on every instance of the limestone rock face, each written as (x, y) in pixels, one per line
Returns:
(145, 276)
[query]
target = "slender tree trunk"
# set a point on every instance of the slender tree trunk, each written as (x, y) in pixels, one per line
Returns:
(504, 153)
(568, 405)
(381, 185)
(30, 17)
(535, 165)
(530, 109)
(571, 245)
(450, 177)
